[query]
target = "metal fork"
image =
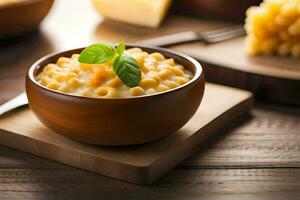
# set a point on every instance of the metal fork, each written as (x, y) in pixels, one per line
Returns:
(193, 36)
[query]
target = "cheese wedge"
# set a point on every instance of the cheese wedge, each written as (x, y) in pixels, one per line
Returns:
(149, 13)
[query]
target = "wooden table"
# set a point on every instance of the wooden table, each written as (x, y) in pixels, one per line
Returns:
(259, 159)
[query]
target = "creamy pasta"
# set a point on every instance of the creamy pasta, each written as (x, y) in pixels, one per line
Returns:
(159, 74)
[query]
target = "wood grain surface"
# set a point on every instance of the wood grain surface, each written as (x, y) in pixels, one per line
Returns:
(141, 164)
(23, 176)
(223, 169)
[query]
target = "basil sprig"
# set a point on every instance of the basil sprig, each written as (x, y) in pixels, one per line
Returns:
(125, 66)
(97, 53)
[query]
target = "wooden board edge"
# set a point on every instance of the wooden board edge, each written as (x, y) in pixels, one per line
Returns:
(125, 172)
(275, 73)
(263, 87)
(155, 171)
(269, 87)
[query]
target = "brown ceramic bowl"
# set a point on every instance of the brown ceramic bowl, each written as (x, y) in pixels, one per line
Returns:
(123, 121)
(217, 9)
(22, 17)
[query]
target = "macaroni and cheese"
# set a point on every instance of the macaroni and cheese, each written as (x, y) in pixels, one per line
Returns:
(274, 28)
(159, 74)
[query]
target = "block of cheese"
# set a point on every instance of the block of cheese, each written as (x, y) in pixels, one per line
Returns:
(274, 28)
(149, 13)
(7, 2)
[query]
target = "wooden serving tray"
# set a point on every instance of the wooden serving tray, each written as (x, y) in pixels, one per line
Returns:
(270, 78)
(141, 164)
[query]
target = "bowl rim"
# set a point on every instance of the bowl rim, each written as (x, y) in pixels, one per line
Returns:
(198, 72)
(21, 4)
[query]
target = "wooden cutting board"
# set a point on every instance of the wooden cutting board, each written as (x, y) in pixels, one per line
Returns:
(271, 78)
(141, 164)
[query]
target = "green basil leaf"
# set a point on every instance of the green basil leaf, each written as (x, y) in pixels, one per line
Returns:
(97, 53)
(127, 70)
(121, 47)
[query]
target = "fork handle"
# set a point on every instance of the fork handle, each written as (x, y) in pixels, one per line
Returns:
(173, 39)
(14, 103)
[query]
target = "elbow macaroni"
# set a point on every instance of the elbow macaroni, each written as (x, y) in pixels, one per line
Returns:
(99, 80)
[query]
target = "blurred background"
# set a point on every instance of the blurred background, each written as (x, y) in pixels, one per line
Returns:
(83, 21)
(30, 29)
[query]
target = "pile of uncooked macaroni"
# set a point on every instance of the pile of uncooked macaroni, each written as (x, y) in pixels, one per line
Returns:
(274, 28)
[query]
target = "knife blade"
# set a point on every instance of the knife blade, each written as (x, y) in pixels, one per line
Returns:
(14, 103)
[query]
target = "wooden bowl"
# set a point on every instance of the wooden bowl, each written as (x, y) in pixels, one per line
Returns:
(217, 9)
(22, 17)
(123, 121)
